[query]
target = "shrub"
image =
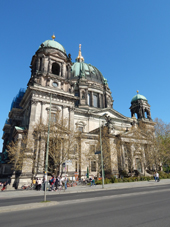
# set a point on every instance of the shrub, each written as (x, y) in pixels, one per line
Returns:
(123, 173)
(98, 182)
(116, 180)
(107, 181)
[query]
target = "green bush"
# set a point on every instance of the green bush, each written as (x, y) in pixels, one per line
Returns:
(98, 182)
(107, 181)
(116, 180)
(163, 175)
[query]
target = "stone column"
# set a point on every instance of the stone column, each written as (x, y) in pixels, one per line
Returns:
(64, 71)
(28, 162)
(36, 152)
(123, 156)
(71, 119)
(91, 98)
(49, 65)
(42, 64)
(69, 71)
(113, 157)
(37, 64)
(61, 158)
(61, 70)
(104, 103)
(41, 157)
(100, 100)
(65, 115)
(99, 96)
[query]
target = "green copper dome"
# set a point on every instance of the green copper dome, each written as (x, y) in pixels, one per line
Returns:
(138, 97)
(53, 44)
(82, 69)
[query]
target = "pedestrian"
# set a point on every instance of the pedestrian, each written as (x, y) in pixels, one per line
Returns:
(4, 186)
(93, 181)
(65, 182)
(157, 177)
(154, 176)
(90, 179)
(39, 184)
(36, 187)
(60, 182)
(52, 183)
(56, 183)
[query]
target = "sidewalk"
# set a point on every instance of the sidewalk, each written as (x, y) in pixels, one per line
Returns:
(78, 189)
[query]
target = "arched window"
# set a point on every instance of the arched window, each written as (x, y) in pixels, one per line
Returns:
(83, 95)
(56, 69)
(77, 101)
(40, 67)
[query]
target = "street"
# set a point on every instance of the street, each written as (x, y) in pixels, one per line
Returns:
(133, 207)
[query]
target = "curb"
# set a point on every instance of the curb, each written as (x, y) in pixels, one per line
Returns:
(28, 206)
(31, 206)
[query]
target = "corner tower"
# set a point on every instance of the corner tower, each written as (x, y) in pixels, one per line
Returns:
(140, 106)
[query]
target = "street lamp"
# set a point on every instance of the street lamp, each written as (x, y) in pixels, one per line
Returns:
(101, 151)
(46, 159)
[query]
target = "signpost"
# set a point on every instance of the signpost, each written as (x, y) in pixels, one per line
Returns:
(68, 162)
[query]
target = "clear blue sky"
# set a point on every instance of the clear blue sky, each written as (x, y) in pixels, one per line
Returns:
(128, 41)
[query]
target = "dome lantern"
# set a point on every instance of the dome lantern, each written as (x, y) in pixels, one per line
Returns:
(80, 57)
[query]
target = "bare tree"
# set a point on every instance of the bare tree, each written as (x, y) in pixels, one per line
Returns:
(162, 141)
(18, 150)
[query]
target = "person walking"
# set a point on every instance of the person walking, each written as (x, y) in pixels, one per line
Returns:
(93, 181)
(36, 187)
(53, 183)
(65, 182)
(4, 186)
(60, 182)
(56, 183)
(39, 184)
(157, 177)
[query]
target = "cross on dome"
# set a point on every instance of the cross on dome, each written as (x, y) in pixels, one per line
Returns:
(80, 57)
(53, 36)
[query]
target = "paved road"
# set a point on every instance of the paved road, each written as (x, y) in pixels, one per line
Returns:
(55, 196)
(123, 208)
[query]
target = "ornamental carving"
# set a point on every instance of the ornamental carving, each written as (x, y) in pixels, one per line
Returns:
(72, 108)
(34, 102)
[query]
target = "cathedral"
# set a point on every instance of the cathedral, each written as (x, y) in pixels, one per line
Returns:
(80, 93)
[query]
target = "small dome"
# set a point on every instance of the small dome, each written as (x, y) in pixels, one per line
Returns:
(53, 44)
(138, 97)
(82, 69)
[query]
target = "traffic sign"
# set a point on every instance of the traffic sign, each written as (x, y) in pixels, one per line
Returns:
(98, 152)
(68, 162)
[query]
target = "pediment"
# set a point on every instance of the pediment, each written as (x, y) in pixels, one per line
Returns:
(134, 134)
(57, 54)
(110, 112)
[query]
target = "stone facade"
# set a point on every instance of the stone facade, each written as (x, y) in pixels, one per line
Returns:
(81, 94)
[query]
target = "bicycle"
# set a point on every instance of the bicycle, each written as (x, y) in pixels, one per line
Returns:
(28, 187)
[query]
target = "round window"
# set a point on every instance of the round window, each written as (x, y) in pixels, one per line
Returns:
(55, 84)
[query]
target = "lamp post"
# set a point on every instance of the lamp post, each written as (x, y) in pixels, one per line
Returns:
(101, 151)
(46, 159)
